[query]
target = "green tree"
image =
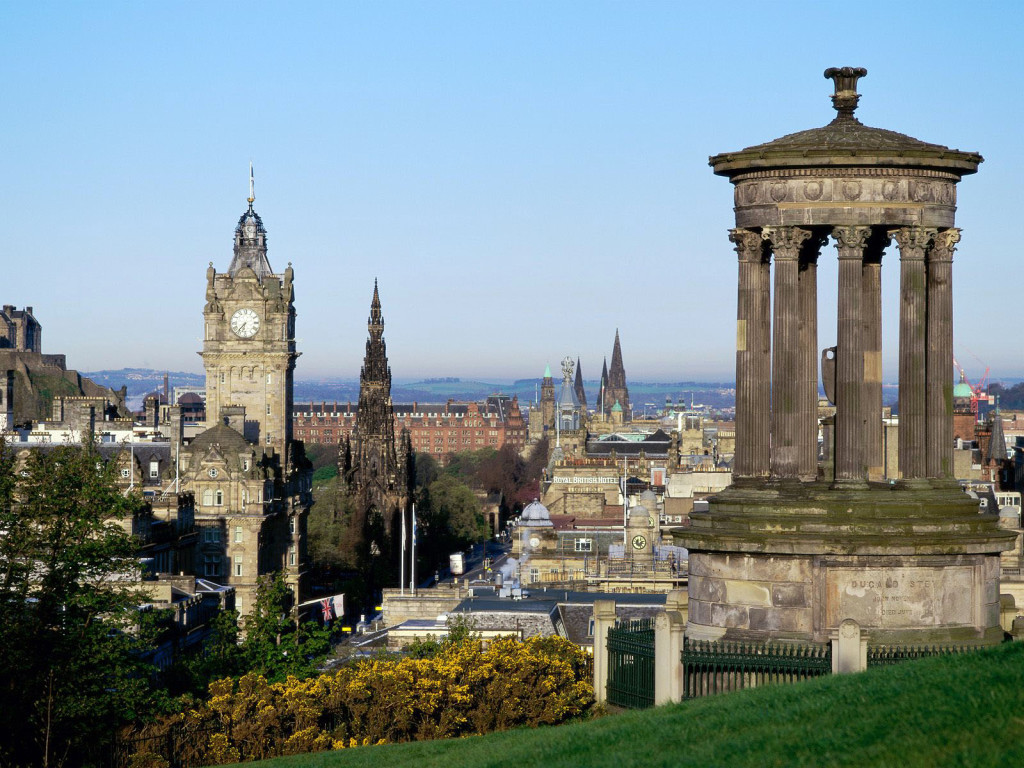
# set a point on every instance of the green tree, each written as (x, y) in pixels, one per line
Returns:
(71, 669)
(275, 644)
(450, 518)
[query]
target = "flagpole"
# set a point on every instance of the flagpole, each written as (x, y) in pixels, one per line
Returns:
(412, 563)
(401, 562)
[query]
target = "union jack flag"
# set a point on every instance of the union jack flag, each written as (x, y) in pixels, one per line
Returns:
(327, 606)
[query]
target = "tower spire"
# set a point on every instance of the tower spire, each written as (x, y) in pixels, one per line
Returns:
(581, 395)
(252, 187)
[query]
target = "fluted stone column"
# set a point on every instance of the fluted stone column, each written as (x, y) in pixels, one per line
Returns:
(913, 243)
(850, 466)
(753, 383)
(808, 408)
(871, 298)
(785, 440)
(938, 374)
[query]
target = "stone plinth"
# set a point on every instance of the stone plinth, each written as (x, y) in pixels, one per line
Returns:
(791, 563)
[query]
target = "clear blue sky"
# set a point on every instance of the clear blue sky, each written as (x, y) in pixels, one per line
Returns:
(522, 177)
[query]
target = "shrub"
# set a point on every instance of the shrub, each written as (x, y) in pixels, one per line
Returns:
(464, 688)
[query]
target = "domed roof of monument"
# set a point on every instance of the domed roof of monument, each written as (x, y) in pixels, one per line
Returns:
(963, 389)
(536, 515)
(846, 141)
(617, 408)
(649, 498)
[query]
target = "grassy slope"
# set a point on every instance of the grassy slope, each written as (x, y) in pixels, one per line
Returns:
(957, 711)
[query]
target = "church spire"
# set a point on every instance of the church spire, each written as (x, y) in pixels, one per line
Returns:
(617, 389)
(581, 395)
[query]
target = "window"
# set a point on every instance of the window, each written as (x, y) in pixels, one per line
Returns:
(270, 378)
(245, 465)
(584, 545)
(590, 627)
(238, 565)
(154, 469)
(218, 498)
(238, 534)
(534, 574)
(211, 535)
(291, 525)
(222, 378)
(207, 498)
(211, 565)
(291, 555)
(268, 409)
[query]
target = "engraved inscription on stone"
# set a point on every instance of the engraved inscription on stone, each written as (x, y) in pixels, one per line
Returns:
(900, 597)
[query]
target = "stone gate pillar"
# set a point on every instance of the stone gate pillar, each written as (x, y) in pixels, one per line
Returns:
(938, 379)
(850, 464)
(753, 365)
(913, 242)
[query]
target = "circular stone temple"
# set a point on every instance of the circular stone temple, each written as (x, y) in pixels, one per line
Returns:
(796, 546)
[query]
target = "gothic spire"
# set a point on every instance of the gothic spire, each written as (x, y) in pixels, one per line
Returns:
(581, 395)
(375, 363)
(376, 318)
(617, 373)
(617, 390)
(602, 390)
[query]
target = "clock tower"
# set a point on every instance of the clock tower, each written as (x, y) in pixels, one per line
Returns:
(249, 339)
(252, 483)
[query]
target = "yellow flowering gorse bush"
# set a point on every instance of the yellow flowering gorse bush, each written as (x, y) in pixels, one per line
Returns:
(464, 689)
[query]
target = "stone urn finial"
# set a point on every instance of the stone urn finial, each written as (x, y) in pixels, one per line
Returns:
(846, 97)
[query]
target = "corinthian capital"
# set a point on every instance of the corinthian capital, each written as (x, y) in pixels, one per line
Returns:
(850, 241)
(943, 245)
(786, 242)
(913, 241)
(748, 244)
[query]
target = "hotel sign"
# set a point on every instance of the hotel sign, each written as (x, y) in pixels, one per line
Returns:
(586, 480)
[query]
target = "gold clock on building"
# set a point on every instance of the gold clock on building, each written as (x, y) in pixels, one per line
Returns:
(639, 542)
(245, 323)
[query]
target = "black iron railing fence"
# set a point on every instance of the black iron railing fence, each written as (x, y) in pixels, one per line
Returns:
(718, 667)
(885, 655)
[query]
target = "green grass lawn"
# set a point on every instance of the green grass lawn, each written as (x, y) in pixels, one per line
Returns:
(955, 711)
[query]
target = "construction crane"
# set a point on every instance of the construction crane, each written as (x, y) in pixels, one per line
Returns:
(978, 392)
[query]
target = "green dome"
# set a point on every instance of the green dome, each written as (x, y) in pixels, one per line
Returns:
(616, 408)
(963, 389)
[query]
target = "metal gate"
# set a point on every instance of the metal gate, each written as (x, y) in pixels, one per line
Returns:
(631, 664)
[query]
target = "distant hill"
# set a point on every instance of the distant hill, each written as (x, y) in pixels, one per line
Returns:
(645, 395)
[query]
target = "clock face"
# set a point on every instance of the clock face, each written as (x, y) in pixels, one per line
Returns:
(213, 472)
(639, 542)
(245, 323)
(250, 229)
(534, 542)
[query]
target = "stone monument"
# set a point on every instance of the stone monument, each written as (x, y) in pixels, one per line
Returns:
(787, 553)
